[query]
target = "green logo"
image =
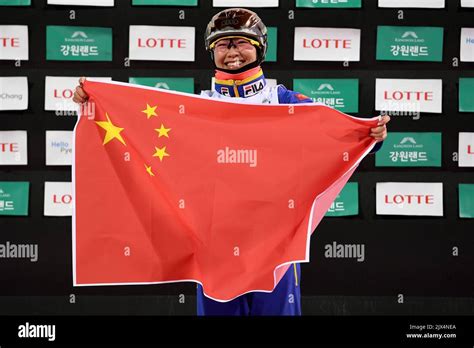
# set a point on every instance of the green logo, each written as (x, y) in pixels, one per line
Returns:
(180, 84)
(15, 2)
(410, 150)
(341, 94)
(347, 202)
(410, 43)
(78, 43)
(14, 198)
(466, 93)
(166, 2)
(329, 3)
(466, 200)
(272, 45)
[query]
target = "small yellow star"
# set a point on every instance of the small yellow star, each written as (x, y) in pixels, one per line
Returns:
(162, 131)
(148, 170)
(112, 131)
(150, 111)
(160, 153)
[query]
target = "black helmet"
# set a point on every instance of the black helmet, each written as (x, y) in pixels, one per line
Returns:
(237, 22)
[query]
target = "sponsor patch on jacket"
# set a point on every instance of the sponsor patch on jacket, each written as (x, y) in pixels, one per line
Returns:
(253, 88)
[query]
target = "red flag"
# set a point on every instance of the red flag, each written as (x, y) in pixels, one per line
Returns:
(175, 187)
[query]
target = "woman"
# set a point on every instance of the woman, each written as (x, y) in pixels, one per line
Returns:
(237, 41)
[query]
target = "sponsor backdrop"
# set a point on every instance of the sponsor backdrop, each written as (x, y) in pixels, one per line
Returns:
(403, 227)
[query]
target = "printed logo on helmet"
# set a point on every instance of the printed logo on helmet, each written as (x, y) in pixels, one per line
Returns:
(230, 22)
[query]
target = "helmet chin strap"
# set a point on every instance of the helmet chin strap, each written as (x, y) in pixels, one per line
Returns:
(242, 69)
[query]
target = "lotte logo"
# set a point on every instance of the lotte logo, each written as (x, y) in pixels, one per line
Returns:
(409, 199)
(62, 199)
(408, 95)
(327, 43)
(10, 42)
(161, 43)
(63, 94)
(9, 147)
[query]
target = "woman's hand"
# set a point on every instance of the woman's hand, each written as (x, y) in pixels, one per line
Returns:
(379, 133)
(79, 95)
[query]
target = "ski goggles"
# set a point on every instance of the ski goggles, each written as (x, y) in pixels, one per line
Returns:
(226, 42)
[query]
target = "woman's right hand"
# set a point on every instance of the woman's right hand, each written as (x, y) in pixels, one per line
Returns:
(79, 95)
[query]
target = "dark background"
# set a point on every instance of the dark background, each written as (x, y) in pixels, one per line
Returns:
(404, 255)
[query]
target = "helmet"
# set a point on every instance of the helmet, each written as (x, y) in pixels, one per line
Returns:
(237, 22)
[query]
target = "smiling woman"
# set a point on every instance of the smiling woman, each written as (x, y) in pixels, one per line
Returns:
(234, 53)
(242, 30)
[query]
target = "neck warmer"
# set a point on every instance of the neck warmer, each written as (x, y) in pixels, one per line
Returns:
(241, 85)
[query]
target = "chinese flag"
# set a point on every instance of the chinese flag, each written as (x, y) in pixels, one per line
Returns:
(176, 187)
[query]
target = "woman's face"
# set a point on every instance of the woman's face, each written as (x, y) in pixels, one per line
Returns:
(233, 54)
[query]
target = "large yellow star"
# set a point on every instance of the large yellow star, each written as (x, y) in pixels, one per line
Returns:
(161, 153)
(150, 111)
(112, 131)
(149, 171)
(162, 131)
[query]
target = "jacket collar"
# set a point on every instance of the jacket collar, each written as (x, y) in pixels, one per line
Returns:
(243, 85)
